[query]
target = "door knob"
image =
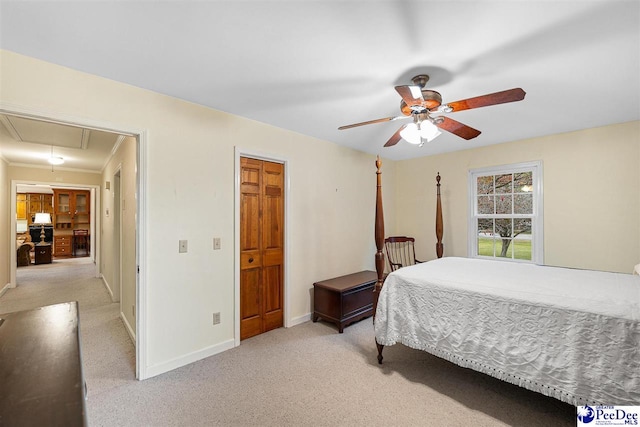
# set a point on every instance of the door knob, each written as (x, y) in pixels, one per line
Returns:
(250, 260)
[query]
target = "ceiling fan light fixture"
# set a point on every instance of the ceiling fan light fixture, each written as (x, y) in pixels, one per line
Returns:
(429, 131)
(411, 134)
(417, 136)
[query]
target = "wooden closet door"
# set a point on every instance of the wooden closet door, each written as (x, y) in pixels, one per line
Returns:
(261, 246)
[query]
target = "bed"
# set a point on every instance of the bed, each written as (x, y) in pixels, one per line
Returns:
(567, 333)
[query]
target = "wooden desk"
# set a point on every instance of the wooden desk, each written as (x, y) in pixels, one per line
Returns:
(41, 368)
(345, 299)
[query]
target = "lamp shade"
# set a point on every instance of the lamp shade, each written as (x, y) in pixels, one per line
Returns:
(42, 218)
(410, 134)
(429, 131)
(417, 134)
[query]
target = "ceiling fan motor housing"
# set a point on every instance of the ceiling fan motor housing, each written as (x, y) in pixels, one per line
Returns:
(432, 99)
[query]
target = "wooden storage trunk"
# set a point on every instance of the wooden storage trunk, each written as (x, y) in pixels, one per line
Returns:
(344, 300)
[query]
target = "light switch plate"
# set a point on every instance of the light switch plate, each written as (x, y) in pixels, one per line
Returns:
(182, 246)
(216, 243)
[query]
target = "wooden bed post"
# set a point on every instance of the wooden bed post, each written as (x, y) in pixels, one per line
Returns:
(379, 237)
(439, 246)
(379, 234)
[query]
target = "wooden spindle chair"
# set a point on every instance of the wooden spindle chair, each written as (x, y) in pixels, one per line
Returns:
(400, 251)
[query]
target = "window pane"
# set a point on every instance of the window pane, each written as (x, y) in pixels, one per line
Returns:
(485, 205)
(522, 248)
(485, 246)
(523, 203)
(485, 226)
(485, 185)
(504, 227)
(522, 226)
(503, 248)
(504, 184)
(485, 237)
(523, 182)
(503, 204)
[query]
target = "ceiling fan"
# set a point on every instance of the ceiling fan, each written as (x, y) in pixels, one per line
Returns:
(420, 103)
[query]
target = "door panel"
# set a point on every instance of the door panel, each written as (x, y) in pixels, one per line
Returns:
(250, 222)
(261, 246)
(250, 307)
(272, 289)
(272, 237)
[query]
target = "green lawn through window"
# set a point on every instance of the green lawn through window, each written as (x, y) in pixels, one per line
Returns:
(522, 248)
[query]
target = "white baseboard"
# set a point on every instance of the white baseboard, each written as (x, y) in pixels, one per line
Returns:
(5, 288)
(106, 285)
(299, 320)
(128, 327)
(161, 368)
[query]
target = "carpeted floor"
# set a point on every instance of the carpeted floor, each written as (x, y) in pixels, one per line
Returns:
(305, 375)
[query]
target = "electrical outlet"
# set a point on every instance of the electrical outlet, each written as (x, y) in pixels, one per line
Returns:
(182, 246)
(216, 243)
(216, 318)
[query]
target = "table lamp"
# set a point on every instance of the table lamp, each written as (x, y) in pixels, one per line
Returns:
(42, 218)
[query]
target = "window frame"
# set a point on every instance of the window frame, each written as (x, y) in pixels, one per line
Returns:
(537, 217)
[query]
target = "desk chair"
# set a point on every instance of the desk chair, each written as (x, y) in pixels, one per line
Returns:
(80, 241)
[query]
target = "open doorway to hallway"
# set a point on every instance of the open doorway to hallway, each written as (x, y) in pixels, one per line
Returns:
(108, 259)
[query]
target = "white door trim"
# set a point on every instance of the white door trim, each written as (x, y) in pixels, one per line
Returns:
(254, 154)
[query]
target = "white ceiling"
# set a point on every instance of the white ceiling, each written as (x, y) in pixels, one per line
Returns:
(312, 66)
(25, 141)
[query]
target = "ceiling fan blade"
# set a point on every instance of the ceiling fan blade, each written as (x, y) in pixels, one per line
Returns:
(395, 138)
(457, 128)
(510, 95)
(411, 95)
(370, 122)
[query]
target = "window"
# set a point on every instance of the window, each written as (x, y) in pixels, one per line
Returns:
(505, 212)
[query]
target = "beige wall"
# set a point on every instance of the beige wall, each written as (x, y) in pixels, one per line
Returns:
(124, 161)
(190, 195)
(591, 195)
(6, 242)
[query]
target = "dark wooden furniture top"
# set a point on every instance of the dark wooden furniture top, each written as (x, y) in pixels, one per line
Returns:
(347, 282)
(41, 367)
(42, 253)
(345, 299)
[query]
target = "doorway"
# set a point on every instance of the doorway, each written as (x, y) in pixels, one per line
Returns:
(140, 137)
(262, 231)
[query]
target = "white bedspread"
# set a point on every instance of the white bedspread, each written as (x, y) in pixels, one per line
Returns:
(567, 333)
